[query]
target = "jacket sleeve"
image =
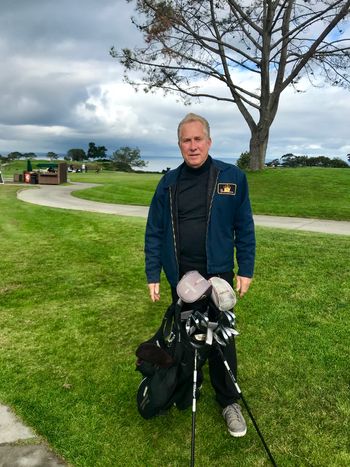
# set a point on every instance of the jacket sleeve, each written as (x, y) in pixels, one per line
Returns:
(245, 234)
(154, 236)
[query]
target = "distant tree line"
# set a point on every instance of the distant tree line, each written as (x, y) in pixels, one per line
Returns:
(16, 155)
(291, 160)
(124, 159)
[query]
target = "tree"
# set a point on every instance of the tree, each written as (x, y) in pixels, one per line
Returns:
(273, 42)
(29, 155)
(243, 161)
(76, 154)
(273, 163)
(12, 156)
(52, 156)
(125, 158)
(339, 163)
(290, 160)
(96, 152)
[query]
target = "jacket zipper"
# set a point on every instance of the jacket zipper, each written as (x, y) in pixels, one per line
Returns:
(173, 229)
(209, 213)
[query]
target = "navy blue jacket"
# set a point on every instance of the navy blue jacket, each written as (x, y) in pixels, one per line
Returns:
(230, 225)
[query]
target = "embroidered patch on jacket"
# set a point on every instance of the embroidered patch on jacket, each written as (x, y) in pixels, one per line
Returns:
(227, 188)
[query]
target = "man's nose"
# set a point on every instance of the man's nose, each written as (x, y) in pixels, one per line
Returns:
(193, 145)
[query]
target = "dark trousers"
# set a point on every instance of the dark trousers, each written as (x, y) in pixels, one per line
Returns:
(224, 388)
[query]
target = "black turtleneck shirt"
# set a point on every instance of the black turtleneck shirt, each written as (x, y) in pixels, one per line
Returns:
(192, 217)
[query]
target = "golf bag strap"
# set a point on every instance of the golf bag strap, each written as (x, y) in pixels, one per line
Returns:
(168, 323)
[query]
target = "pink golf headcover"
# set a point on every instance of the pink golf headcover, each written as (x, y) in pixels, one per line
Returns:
(192, 287)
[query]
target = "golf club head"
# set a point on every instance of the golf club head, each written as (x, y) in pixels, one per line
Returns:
(219, 340)
(226, 336)
(232, 332)
(230, 316)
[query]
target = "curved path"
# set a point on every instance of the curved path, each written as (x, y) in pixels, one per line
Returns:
(60, 196)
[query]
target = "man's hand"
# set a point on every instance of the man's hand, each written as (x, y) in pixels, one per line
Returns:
(154, 291)
(242, 285)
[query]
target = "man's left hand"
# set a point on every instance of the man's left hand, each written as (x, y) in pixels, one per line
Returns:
(242, 285)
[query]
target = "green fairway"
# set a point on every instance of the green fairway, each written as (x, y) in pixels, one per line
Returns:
(118, 187)
(74, 307)
(304, 192)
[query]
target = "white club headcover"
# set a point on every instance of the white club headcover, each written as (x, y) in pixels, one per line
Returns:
(222, 294)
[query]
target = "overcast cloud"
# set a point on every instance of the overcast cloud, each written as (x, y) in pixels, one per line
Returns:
(60, 89)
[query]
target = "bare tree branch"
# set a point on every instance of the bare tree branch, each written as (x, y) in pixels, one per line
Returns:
(188, 41)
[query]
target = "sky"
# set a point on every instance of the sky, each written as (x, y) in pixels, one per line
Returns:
(61, 89)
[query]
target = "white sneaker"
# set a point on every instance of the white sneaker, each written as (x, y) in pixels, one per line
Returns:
(236, 424)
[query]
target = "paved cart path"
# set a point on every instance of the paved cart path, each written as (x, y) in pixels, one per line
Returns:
(21, 447)
(60, 196)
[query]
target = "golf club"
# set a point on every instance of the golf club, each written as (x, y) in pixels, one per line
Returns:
(194, 407)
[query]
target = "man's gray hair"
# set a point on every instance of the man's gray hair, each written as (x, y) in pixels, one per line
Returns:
(194, 118)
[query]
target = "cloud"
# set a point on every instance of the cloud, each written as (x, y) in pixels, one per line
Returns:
(61, 89)
(312, 123)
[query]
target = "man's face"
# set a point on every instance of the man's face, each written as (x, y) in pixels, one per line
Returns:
(194, 144)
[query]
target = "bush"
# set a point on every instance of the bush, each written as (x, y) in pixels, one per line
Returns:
(122, 166)
(243, 161)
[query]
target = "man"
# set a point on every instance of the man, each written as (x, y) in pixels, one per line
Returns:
(200, 213)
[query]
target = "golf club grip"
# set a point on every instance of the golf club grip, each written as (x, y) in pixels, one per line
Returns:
(193, 443)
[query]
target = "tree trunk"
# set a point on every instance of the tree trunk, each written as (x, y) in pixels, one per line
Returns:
(257, 148)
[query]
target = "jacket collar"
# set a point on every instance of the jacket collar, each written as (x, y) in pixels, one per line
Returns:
(171, 177)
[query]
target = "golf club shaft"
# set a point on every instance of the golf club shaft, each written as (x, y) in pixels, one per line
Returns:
(229, 371)
(194, 407)
(259, 432)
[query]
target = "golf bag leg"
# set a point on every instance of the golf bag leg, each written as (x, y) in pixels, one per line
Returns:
(194, 408)
(229, 371)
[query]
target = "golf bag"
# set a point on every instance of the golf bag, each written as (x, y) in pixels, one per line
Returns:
(171, 360)
(166, 362)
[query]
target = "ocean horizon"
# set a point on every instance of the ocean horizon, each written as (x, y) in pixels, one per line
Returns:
(159, 163)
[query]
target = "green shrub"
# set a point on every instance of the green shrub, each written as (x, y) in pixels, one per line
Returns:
(244, 160)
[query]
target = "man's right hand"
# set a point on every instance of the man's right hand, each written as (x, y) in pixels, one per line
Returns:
(154, 291)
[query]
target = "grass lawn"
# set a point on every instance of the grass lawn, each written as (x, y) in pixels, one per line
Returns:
(304, 192)
(118, 187)
(74, 307)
